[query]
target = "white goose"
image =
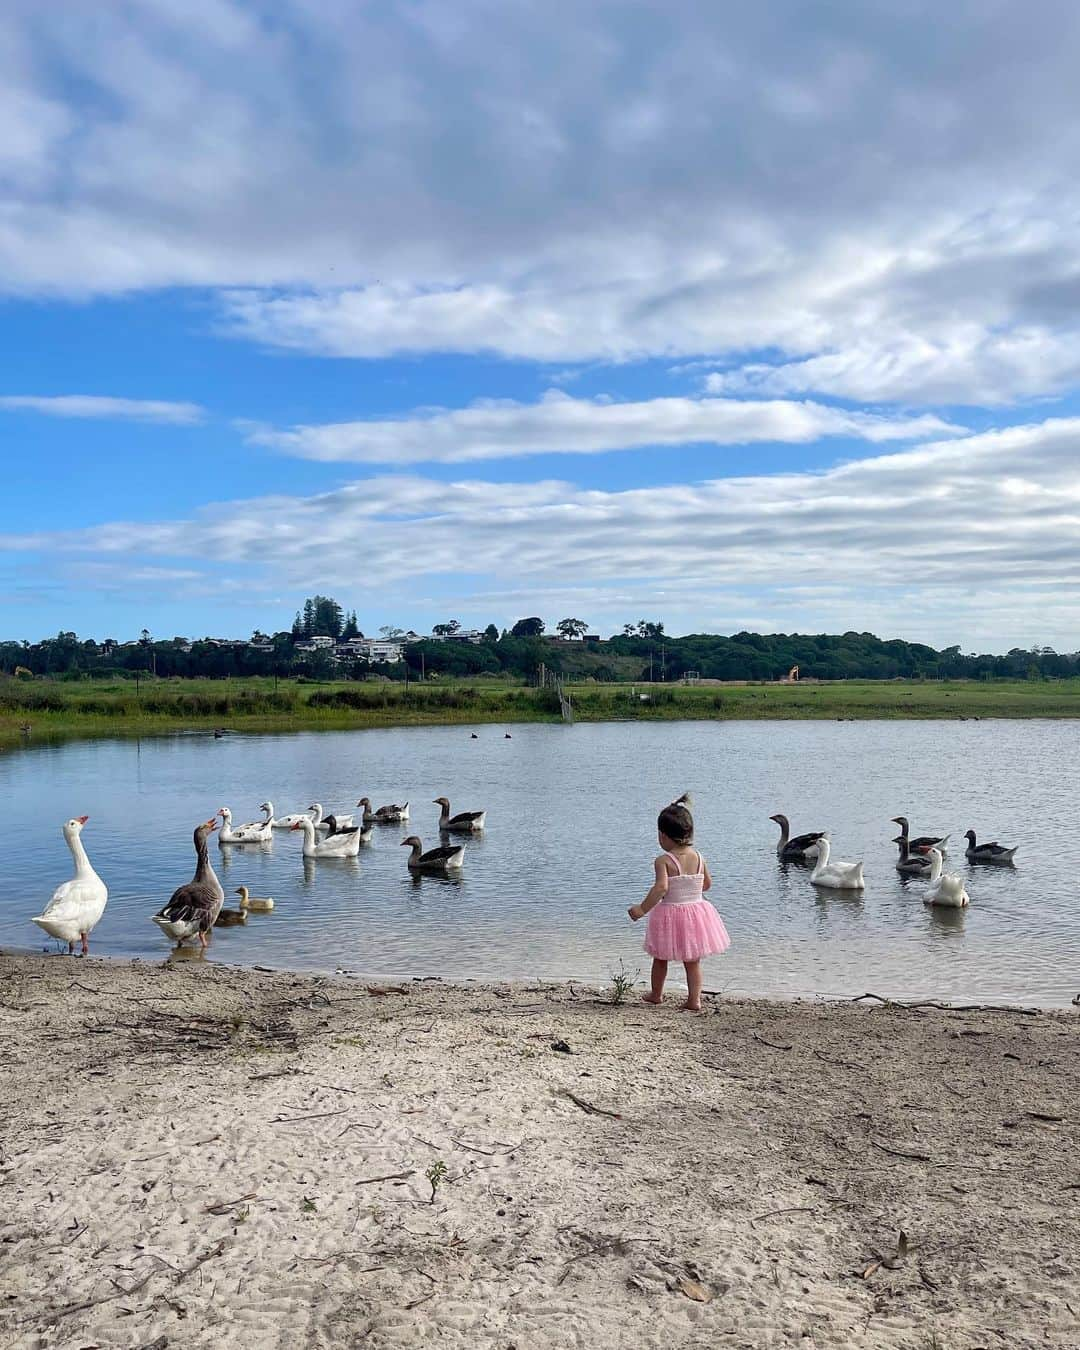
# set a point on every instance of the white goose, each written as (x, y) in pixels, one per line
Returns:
(946, 888)
(243, 834)
(319, 820)
(78, 904)
(268, 819)
(838, 876)
(335, 846)
(283, 822)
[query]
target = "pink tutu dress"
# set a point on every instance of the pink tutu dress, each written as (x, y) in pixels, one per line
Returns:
(684, 926)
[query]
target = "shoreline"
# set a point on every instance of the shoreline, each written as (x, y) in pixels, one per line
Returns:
(219, 1156)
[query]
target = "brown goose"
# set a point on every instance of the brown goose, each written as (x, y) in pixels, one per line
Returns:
(794, 847)
(465, 822)
(333, 828)
(384, 815)
(924, 840)
(910, 864)
(192, 909)
(444, 859)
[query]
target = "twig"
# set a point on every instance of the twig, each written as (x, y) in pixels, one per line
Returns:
(206, 1256)
(390, 1176)
(950, 1007)
(795, 1209)
(487, 1152)
(838, 1063)
(315, 1115)
(588, 1107)
(899, 1153)
(773, 1045)
(223, 1206)
(168, 1152)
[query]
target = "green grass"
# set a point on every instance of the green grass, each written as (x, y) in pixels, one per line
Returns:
(110, 708)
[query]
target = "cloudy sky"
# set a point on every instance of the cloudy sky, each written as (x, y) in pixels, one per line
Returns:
(758, 317)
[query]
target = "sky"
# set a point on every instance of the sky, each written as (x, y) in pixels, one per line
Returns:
(735, 317)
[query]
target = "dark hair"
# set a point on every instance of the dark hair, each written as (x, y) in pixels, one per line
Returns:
(676, 823)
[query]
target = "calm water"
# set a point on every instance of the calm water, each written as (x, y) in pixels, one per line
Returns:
(570, 842)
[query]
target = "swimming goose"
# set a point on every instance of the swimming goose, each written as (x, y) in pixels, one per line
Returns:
(992, 853)
(444, 859)
(78, 904)
(319, 820)
(257, 905)
(908, 863)
(946, 888)
(924, 840)
(334, 830)
(230, 918)
(283, 822)
(333, 846)
(268, 819)
(465, 822)
(384, 815)
(193, 908)
(838, 876)
(794, 847)
(258, 833)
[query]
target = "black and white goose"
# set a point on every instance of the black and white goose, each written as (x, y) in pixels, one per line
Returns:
(446, 859)
(465, 822)
(991, 853)
(794, 847)
(335, 831)
(924, 840)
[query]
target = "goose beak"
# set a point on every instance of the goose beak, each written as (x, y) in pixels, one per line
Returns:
(211, 824)
(82, 819)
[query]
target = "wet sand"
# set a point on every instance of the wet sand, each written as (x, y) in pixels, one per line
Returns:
(199, 1156)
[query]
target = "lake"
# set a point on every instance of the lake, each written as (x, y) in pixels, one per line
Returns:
(570, 842)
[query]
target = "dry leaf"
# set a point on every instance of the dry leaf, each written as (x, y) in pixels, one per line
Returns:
(696, 1291)
(870, 1269)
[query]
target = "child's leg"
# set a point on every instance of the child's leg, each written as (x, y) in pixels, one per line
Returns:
(693, 985)
(659, 975)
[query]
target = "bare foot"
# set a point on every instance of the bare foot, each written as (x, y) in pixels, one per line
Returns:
(690, 1007)
(648, 998)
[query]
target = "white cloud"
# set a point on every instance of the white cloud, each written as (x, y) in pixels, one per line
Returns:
(111, 409)
(933, 541)
(672, 179)
(560, 424)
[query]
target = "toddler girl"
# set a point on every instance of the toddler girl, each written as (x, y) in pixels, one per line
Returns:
(683, 926)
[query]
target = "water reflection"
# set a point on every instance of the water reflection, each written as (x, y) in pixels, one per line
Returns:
(569, 844)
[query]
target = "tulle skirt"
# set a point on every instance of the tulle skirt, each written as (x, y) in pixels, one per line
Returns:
(685, 932)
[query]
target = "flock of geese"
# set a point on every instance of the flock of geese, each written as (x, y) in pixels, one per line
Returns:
(921, 858)
(194, 908)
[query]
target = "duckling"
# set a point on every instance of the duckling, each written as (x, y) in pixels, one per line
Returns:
(230, 918)
(256, 905)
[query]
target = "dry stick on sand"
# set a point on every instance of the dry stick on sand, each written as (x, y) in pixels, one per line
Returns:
(588, 1107)
(390, 1176)
(773, 1045)
(948, 1007)
(68, 1309)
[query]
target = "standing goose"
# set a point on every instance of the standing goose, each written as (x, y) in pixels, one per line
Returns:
(333, 846)
(465, 822)
(946, 888)
(838, 876)
(384, 815)
(910, 864)
(192, 909)
(257, 833)
(444, 859)
(78, 904)
(992, 853)
(924, 840)
(793, 847)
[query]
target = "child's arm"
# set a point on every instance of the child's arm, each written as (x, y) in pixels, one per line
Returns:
(656, 892)
(706, 885)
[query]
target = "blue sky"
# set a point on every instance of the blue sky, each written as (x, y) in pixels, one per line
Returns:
(762, 320)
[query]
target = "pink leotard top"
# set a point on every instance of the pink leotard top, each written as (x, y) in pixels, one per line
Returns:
(684, 887)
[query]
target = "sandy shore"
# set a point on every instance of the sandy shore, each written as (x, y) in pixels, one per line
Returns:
(193, 1156)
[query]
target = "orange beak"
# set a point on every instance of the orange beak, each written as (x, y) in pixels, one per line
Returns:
(82, 819)
(211, 824)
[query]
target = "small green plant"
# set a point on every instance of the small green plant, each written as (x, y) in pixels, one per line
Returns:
(307, 1205)
(436, 1175)
(621, 985)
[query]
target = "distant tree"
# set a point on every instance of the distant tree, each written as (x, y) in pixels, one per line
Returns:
(446, 629)
(532, 627)
(390, 632)
(297, 626)
(491, 633)
(571, 628)
(351, 628)
(307, 623)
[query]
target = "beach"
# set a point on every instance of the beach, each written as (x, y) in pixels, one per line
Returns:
(202, 1156)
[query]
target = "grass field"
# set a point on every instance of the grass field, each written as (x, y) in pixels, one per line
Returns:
(108, 708)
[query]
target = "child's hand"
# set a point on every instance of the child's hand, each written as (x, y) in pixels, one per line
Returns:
(636, 912)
